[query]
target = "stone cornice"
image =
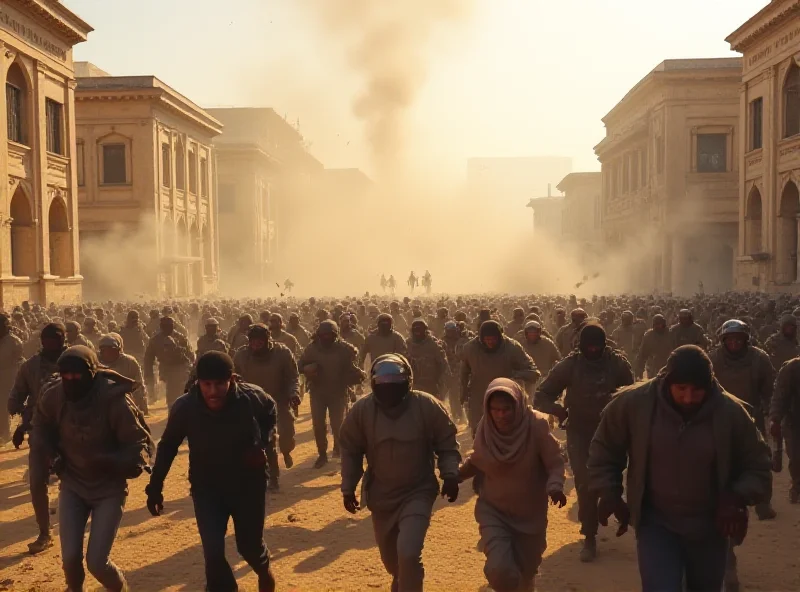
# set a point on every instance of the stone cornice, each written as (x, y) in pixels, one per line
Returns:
(768, 18)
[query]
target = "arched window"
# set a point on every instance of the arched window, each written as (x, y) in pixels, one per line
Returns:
(17, 105)
(60, 243)
(752, 229)
(23, 236)
(791, 102)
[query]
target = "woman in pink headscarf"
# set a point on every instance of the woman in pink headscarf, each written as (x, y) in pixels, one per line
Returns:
(521, 466)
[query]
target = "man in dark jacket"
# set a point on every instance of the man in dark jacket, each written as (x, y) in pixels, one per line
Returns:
(89, 429)
(590, 375)
(228, 425)
(655, 349)
(32, 374)
(695, 461)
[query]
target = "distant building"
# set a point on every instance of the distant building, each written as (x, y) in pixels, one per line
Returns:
(146, 186)
(768, 155)
(547, 216)
(38, 205)
(580, 221)
(267, 181)
(670, 163)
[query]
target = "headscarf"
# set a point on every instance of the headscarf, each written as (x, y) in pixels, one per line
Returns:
(490, 446)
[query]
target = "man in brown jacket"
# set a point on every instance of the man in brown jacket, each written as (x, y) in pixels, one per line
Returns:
(745, 372)
(270, 365)
(404, 434)
(427, 359)
(782, 346)
(590, 375)
(784, 417)
(10, 361)
(488, 356)
(687, 332)
(655, 349)
(566, 335)
(329, 365)
(113, 357)
(87, 427)
(383, 341)
(695, 460)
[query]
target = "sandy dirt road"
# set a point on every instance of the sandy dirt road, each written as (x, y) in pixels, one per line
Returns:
(317, 546)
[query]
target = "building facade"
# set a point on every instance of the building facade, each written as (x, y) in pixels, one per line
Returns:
(38, 206)
(146, 188)
(267, 184)
(548, 215)
(580, 216)
(769, 162)
(670, 171)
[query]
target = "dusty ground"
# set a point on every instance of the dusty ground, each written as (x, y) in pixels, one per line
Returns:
(316, 545)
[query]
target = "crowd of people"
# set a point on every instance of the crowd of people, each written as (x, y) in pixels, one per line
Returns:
(684, 393)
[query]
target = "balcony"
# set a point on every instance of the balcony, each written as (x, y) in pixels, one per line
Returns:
(19, 160)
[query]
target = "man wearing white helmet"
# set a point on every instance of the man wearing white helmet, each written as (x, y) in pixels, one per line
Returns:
(404, 434)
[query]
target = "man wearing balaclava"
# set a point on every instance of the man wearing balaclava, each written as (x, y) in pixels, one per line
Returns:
(270, 365)
(655, 349)
(404, 434)
(10, 361)
(227, 424)
(22, 401)
(590, 375)
(427, 359)
(385, 340)
(745, 372)
(89, 429)
(687, 332)
(175, 358)
(782, 346)
(488, 356)
(695, 460)
(329, 365)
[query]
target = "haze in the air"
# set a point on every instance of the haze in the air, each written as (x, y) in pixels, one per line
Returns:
(408, 91)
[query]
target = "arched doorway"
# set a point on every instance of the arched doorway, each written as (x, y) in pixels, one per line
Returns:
(752, 223)
(60, 243)
(787, 234)
(23, 236)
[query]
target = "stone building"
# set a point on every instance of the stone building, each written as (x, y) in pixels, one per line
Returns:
(38, 209)
(146, 188)
(670, 162)
(267, 184)
(548, 215)
(769, 151)
(580, 215)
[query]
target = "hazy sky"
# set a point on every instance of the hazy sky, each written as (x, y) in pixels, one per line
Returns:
(513, 78)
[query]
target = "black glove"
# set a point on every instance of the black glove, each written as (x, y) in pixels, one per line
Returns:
(155, 500)
(450, 489)
(350, 502)
(616, 506)
(18, 437)
(557, 498)
(58, 465)
(732, 517)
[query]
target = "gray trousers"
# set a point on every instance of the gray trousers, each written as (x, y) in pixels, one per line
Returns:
(323, 406)
(38, 478)
(512, 558)
(73, 514)
(578, 441)
(400, 547)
